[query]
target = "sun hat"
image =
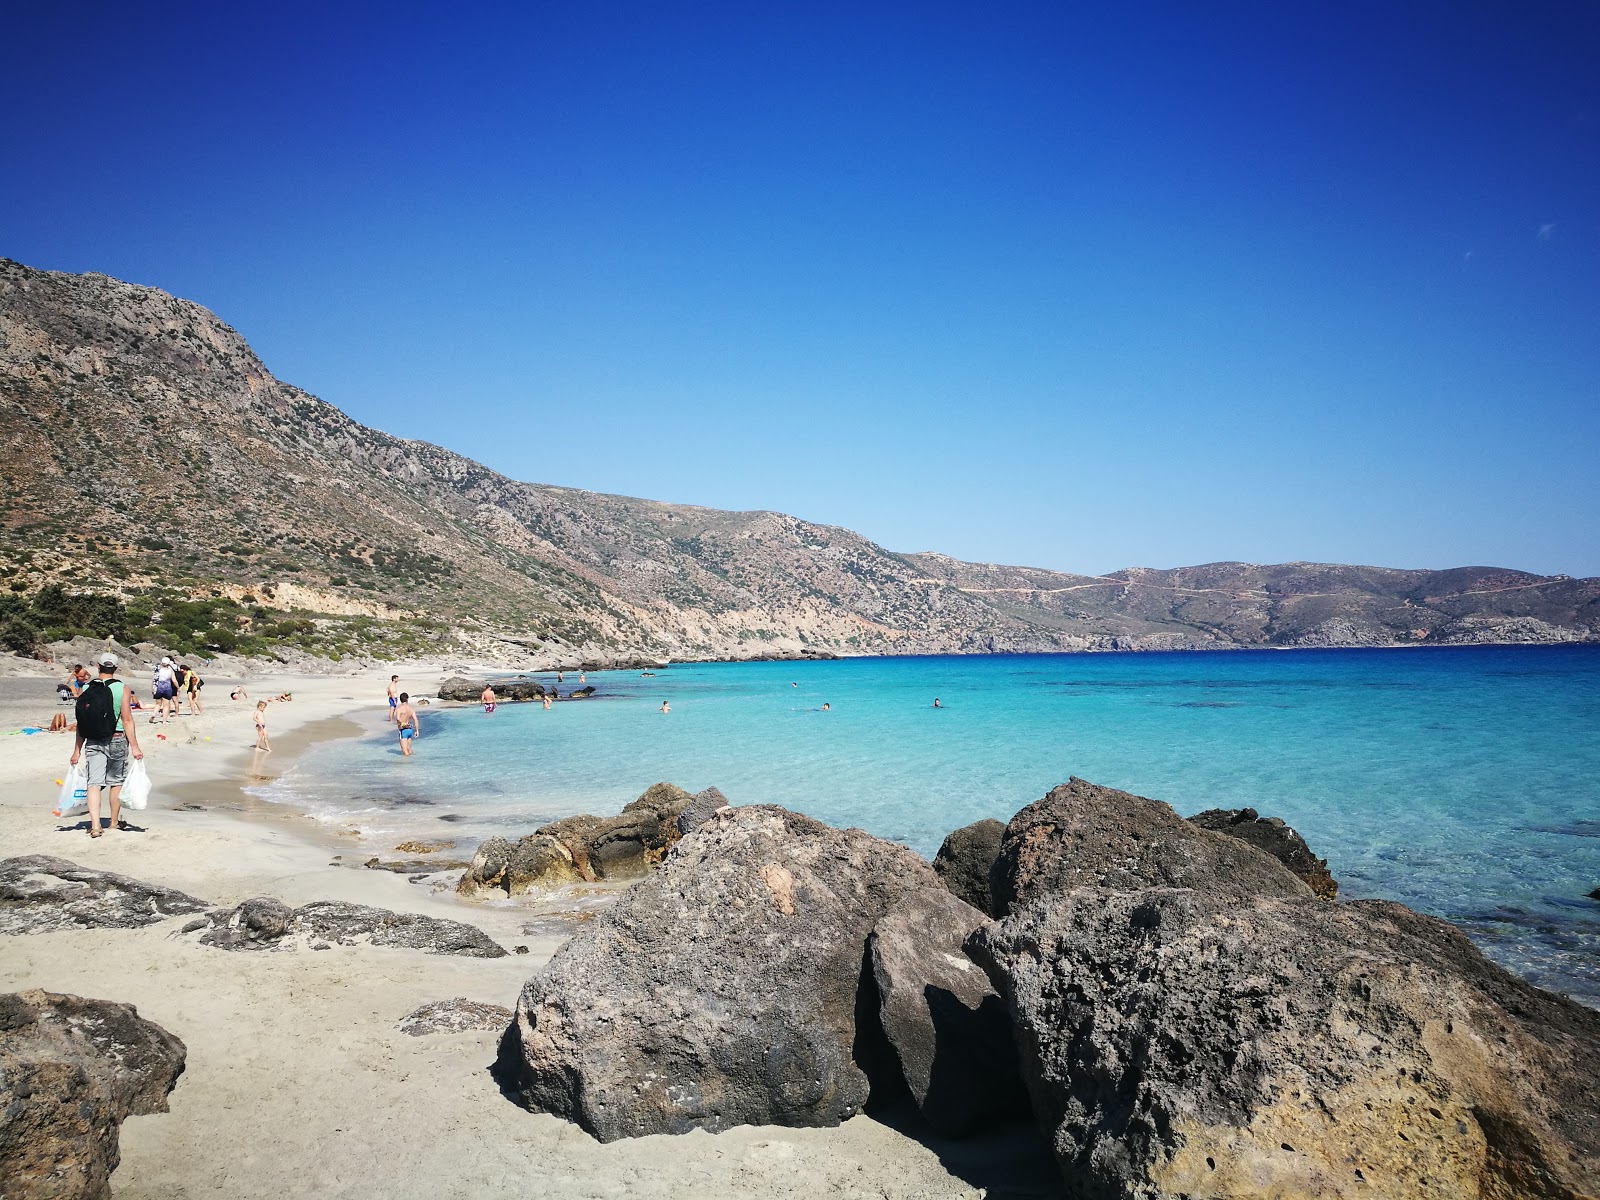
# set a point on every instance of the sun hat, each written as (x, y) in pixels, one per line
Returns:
(166, 662)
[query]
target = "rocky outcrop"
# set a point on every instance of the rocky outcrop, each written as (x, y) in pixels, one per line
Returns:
(1085, 835)
(1272, 836)
(40, 893)
(948, 1026)
(583, 848)
(454, 1016)
(71, 1071)
(264, 923)
(721, 990)
(965, 859)
(459, 688)
(1185, 1043)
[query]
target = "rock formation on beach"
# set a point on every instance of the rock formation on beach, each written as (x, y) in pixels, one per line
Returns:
(584, 849)
(1082, 835)
(722, 989)
(71, 1071)
(454, 1016)
(40, 893)
(1190, 1043)
(232, 482)
(265, 923)
(1272, 835)
(965, 860)
(947, 1025)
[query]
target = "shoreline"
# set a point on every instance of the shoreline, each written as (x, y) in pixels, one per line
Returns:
(297, 1079)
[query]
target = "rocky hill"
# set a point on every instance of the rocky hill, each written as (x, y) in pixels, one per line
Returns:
(148, 452)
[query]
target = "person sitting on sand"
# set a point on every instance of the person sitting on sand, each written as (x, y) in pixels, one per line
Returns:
(487, 698)
(405, 719)
(239, 693)
(77, 680)
(261, 725)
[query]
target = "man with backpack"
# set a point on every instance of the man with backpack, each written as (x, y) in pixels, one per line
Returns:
(106, 735)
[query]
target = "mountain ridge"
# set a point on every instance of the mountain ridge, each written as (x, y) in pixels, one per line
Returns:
(229, 481)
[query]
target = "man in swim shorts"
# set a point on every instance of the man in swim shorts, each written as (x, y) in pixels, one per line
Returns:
(405, 719)
(487, 698)
(394, 688)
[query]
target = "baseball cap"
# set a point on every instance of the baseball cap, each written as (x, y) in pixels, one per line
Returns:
(107, 660)
(166, 662)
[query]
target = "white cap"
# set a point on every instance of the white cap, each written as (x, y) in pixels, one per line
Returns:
(166, 662)
(107, 660)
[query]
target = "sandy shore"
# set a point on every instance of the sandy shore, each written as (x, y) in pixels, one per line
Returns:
(298, 1082)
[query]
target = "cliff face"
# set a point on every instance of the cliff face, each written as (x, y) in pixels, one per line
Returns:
(143, 442)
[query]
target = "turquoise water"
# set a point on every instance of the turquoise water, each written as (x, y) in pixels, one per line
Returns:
(1462, 782)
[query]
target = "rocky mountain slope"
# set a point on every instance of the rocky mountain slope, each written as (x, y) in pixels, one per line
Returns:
(146, 447)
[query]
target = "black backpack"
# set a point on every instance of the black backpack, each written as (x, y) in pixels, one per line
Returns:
(97, 714)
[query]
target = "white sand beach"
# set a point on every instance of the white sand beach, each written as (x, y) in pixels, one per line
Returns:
(298, 1081)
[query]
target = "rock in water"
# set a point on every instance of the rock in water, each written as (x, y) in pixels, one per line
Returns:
(721, 990)
(454, 1016)
(1188, 1044)
(965, 860)
(1271, 835)
(71, 1071)
(530, 863)
(39, 893)
(948, 1026)
(1085, 835)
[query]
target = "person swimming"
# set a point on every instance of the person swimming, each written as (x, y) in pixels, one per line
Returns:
(665, 707)
(827, 707)
(488, 698)
(936, 703)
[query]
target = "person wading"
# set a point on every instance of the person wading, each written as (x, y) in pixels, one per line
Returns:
(405, 718)
(106, 736)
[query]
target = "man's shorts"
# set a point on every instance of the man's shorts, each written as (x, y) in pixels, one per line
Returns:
(393, 703)
(105, 764)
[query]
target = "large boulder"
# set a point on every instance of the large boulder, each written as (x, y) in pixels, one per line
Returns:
(965, 860)
(265, 923)
(721, 990)
(1179, 1043)
(40, 893)
(528, 864)
(71, 1071)
(1272, 836)
(629, 844)
(948, 1026)
(1085, 835)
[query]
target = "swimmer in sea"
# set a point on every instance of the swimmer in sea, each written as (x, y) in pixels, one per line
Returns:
(405, 717)
(487, 698)
(827, 707)
(665, 707)
(936, 703)
(545, 699)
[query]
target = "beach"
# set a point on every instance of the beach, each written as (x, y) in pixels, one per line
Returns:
(297, 1080)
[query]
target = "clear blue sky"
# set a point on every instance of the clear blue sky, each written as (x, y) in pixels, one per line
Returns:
(1150, 285)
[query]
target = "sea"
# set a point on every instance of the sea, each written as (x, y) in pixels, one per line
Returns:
(1462, 781)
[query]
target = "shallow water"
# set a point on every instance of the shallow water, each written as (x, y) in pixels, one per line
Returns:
(1462, 782)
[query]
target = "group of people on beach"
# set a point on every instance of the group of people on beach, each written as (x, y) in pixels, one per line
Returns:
(171, 684)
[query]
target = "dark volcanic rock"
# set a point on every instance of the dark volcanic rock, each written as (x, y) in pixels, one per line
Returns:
(257, 924)
(1184, 1043)
(721, 990)
(700, 810)
(71, 1071)
(263, 923)
(948, 1026)
(965, 860)
(1084, 835)
(1271, 835)
(1595, 895)
(459, 688)
(536, 861)
(39, 893)
(454, 1016)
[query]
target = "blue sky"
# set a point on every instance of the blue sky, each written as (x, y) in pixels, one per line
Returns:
(1074, 286)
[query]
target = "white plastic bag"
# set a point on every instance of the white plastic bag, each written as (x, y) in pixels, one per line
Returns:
(136, 787)
(74, 794)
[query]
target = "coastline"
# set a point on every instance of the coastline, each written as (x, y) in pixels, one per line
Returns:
(298, 1081)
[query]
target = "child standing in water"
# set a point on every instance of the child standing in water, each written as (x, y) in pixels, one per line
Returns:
(261, 725)
(405, 719)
